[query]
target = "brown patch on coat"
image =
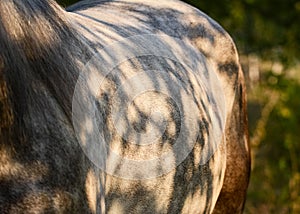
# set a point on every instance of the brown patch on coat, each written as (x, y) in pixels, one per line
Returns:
(233, 194)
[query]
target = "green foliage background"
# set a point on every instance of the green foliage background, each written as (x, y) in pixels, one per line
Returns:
(267, 34)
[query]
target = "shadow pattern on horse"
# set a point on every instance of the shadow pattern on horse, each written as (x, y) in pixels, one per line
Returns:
(43, 169)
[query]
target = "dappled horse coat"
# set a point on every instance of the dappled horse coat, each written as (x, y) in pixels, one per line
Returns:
(158, 82)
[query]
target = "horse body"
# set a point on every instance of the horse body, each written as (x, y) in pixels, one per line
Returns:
(44, 52)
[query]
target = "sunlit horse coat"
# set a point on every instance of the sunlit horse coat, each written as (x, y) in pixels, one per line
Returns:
(45, 50)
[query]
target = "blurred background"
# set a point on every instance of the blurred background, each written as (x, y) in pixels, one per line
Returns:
(267, 35)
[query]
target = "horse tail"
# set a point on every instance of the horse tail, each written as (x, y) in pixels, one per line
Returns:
(38, 44)
(40, 58)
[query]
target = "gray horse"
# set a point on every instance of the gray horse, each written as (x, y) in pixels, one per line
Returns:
(128, 106)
